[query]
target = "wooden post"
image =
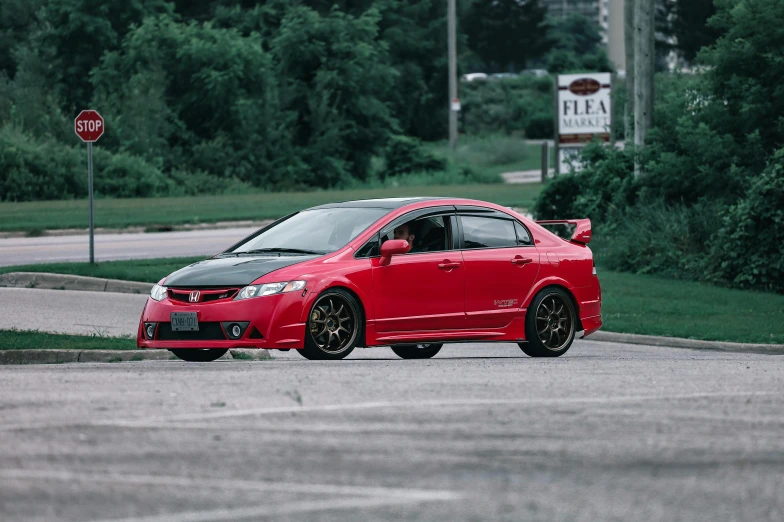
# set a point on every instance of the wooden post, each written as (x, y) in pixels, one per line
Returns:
(452, 44)
(643, 74)
(628, 47)
(545, 160)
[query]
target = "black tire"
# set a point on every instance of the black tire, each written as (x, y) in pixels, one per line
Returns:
(550, 324)
(333, 310)
(417, 351)
(199, 354)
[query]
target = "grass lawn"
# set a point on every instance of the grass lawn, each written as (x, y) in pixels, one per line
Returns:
(649, 305)
(492, 154)
(637, 304)
(119, 213)
(28, 340)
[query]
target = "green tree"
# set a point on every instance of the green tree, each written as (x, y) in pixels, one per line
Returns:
(577, 45)
(17, 20)
(334, 75)
(507, 34)
(80, 31)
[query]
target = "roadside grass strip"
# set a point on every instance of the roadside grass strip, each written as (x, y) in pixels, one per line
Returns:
(35, 340)
(35, 217)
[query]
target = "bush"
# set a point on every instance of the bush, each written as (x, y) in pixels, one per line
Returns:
(38, 170)
(748, 250)
(513, 106)
(405, 155)
(605, 185)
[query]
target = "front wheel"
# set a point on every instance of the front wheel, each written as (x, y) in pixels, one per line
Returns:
(417, 351)
(334, 326)
(199, 354)
(550, 328)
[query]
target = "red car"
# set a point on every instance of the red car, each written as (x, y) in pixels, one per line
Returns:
(409, 273)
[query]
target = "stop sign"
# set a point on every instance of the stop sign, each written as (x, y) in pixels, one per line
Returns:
(89, 126)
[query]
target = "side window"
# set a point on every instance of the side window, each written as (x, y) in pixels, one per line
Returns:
(369, 249)
(523, 237)
(485, 232)
(430, 234)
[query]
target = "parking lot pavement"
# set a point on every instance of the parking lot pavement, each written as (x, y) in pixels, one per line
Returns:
(607, 432)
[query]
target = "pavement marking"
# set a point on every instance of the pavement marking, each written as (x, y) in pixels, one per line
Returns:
(358, 496)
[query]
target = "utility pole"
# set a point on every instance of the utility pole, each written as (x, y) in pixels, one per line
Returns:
(643, 74)
(628, 47)
(452, 43)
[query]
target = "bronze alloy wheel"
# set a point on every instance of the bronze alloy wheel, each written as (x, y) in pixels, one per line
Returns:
(417, 351)
(550, 329)
(554, 323)
(333, 326)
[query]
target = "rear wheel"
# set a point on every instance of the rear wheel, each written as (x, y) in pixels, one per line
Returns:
(417, 351)
(334, 326)
(550, 328)
(199, 354)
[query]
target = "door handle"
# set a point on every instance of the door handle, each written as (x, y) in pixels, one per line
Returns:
(448, 265)
(520, 261)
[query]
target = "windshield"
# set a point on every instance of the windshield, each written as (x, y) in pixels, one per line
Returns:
(319, 231)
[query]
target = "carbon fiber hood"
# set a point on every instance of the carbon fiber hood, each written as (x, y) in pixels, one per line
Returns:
(231, 271)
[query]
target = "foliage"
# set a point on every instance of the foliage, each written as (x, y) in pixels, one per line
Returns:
(576, 46)
(507, 34)
(516, 106)
(748, 250)
(406, 155)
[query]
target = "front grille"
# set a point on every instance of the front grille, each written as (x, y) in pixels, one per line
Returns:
(205, 296)
(206, 332)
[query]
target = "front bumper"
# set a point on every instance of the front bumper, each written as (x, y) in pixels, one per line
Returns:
(274, 322)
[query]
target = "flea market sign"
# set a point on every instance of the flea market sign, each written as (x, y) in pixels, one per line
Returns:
(584, 112)
(584, 107)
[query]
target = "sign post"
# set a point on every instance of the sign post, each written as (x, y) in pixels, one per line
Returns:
(583, 112)
(89, 127)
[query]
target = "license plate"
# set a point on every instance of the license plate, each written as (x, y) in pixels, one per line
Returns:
(184, 322)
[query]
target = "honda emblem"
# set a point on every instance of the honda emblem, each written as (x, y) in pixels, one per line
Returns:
(194, 297)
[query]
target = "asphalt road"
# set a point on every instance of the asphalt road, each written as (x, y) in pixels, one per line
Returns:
(108, 247)
(607, 432)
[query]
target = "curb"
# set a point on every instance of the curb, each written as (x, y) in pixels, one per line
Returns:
(110, 356)
(149, 229)
(692, 344)
(49, 281)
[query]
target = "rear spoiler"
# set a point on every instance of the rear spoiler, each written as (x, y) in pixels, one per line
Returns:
(582, 228)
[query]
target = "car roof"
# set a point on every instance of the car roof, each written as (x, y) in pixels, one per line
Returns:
(390, 203)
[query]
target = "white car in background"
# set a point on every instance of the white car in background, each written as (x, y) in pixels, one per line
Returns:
(470, 77)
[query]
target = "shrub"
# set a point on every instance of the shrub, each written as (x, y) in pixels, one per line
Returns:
(748, 250)
(405, 154)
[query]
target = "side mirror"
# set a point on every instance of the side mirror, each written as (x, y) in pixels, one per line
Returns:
(391, 248)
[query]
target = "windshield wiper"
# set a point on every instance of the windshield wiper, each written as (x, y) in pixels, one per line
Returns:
(280, 250)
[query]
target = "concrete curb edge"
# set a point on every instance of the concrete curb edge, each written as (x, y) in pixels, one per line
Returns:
(693, 344)
(49, 281)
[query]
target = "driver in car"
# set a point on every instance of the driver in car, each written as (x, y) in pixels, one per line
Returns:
(405, 231)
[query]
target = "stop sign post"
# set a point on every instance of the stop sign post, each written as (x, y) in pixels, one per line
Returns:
(89, 127)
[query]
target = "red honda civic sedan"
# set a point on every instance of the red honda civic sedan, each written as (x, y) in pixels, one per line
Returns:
(409, 273)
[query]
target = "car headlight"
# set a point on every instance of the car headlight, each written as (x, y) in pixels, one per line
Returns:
(158, 292)
(269, 289)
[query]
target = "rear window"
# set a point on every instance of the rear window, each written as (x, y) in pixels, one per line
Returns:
(484, 232)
